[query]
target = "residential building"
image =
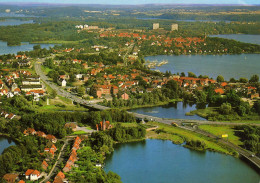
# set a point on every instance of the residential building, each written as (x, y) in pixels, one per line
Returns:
(156, 26)
(32, 174)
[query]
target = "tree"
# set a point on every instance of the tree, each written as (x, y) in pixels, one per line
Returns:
(232, 80)
(254, 79)
(243, 80)
(225, 108)
(37, 47)
(220, 79)
(182, 74)
(81, 91)
(53, 94)
(191, 74)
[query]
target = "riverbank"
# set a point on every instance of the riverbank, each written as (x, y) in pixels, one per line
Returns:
(180, 136)
(208, 112)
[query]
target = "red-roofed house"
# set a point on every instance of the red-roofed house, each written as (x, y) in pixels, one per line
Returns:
(59, 178)
(67, 168)
(32, 174)
(220, 91)
(44, 165)
(51, 138)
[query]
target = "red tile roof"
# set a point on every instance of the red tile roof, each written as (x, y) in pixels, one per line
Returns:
(32, 172)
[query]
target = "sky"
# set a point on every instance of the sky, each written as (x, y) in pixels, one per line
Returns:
(119, 2)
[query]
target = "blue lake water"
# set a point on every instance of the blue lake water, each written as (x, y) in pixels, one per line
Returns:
(159, 161)
(247, 38)
(172, 110)
(4, 143)
(4, 49)
(15, 22)
(243, 65)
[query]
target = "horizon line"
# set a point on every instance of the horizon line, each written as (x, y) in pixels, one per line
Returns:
(202, 4)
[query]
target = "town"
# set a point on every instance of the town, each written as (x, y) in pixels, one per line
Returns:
(66, 108)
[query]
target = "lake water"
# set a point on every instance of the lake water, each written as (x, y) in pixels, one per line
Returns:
(172, 110)
(159, 161)
(15, 22)
(247, 38)
(243, 65)
(213, 21)
(4, 49)
(12, 14)
(4, 143)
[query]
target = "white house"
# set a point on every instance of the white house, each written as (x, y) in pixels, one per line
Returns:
(32, 174)
(10, 95)
(62, 82)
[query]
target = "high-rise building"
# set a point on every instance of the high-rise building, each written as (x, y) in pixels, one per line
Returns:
(155, 26)
(174, 27)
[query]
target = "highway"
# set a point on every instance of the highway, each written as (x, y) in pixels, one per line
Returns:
(92, 104)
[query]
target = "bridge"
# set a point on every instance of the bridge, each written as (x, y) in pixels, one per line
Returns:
(93, 104)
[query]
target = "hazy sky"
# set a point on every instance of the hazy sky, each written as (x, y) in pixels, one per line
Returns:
(139, 1)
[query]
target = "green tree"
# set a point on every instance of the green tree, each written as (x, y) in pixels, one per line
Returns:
(191, 74)
(81, 91)
(254, 79)
(243, 80)
(220, 79)
(225, 108)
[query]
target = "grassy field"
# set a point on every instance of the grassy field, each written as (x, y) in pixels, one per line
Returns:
(202, 112)
(46, 70)
(219, 130)
(180, 135)
(129, 124)
(79, 133)
(48, 108)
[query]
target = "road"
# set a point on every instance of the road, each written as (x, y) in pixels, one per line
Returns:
(76, 99)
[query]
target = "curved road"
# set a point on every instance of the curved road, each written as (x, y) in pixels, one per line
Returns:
(60, 91)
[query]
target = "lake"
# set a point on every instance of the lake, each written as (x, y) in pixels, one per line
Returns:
(211, 21)
(243, 65)
(4, 143)
(12, 22)
(172, 110)
(12, 14)
(247, 38)
(4, 49)
(159, 161)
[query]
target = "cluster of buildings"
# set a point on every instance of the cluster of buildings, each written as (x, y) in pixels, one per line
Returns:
(86, 27)
(31, 131)
(73, 155)
(30, 85)
(30, 174)
(174, 27)
(6, 114)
